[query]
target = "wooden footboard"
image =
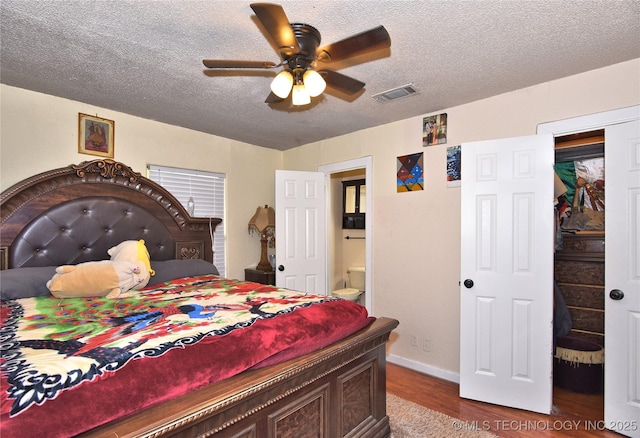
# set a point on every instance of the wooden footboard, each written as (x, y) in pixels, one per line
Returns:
(334, 392)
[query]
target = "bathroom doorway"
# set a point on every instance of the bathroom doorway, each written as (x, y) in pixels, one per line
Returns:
(347, 237)
(340, 250)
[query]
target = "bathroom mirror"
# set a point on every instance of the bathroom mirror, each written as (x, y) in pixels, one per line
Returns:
(354, 204)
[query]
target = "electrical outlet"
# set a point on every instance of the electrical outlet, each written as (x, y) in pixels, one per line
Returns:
(426, 345)
(414, 341)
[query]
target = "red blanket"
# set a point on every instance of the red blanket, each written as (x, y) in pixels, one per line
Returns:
(70, 365)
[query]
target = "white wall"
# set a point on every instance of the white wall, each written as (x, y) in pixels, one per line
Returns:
(39, 132)
(416, 239)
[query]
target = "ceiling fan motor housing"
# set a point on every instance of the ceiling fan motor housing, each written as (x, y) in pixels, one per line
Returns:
(308, 38)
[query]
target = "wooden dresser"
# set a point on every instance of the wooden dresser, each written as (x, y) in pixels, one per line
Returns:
(579, 273)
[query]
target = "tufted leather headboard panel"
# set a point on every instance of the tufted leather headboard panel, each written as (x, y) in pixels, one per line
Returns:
(76, 213)
(84, 229)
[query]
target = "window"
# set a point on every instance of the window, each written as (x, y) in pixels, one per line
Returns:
(353, 204)
(200, 191)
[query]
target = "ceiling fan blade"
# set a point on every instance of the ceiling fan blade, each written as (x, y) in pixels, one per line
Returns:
(272, 98)
(230, 63)
(340, 82)
(367, 41)
(276, 23)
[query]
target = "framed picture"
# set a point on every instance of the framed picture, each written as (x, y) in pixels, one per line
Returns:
(454, 164)
(409, 177)
(95, 135)
(434, 130)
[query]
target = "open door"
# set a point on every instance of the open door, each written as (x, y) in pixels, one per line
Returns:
(301, 231)
(506, 293)
(622, 279)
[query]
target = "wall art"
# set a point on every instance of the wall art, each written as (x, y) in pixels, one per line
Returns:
(409, 176)
(454, 176)
(434, 130)
(95, 135)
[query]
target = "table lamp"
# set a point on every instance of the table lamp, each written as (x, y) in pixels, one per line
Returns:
(263, 222)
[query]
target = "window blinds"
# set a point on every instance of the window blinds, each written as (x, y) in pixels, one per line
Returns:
(207, 191)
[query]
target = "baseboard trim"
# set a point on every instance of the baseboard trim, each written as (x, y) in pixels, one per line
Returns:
(422, 368)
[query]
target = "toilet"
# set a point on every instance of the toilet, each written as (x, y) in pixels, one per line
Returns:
(356, 283)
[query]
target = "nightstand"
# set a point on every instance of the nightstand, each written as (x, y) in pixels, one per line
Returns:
(257, 276)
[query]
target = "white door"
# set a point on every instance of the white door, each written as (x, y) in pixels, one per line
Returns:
(622, 278)
(301, 231)
(506, 291)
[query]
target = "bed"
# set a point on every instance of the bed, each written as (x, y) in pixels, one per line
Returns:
(242, 359)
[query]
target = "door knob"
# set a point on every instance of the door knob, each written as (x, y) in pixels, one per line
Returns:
(616, 294)
(468, 283)
(280, 268)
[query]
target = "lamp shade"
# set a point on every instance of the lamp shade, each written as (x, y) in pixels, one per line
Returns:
(281, 84)
(300, 95)
(264, 218)
(314, 83)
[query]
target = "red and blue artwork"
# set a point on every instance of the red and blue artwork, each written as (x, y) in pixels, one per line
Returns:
(410, 176)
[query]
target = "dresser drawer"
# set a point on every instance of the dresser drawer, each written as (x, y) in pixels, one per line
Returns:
(587, 247)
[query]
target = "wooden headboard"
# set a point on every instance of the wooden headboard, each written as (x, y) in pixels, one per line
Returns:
(76, 213)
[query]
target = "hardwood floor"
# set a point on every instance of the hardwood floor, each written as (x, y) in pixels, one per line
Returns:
(574, 414)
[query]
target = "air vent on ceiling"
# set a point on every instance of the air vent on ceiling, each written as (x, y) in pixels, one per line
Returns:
(395, 93)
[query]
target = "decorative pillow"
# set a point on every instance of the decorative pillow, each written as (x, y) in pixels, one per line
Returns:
(25, 282)
(132, 251)
(105, 278)
(169, 269)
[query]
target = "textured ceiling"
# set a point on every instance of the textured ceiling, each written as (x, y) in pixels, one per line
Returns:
(144, 57)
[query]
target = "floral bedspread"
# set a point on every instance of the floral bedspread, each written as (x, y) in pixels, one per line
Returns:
(51, 346)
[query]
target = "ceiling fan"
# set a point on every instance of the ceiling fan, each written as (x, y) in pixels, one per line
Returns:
(298, 44)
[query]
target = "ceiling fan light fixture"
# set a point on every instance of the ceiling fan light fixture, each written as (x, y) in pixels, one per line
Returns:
(314, 83)
(281, 84)
(300, 95)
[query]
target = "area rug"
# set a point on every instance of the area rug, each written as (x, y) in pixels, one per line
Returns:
(410, 420)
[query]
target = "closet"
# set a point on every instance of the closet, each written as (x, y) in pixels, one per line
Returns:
(579, 257)
(578, 266)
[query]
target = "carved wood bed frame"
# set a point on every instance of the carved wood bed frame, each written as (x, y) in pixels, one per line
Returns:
(337, 391)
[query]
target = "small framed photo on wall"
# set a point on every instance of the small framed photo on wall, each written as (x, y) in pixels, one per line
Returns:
(95, 135)
(434, 130)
